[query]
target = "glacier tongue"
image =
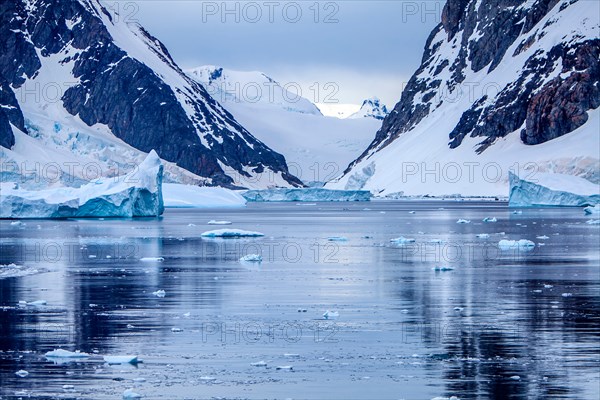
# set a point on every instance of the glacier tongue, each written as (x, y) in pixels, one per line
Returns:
(136, 194)
(552, 190)
(313, 194)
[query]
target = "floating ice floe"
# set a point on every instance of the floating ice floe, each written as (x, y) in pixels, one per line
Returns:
(259, 364)
(121, 359)
(136, 194)
(68, 387)
(160, 293)
(284, 368)
(483, 235)
(130, 394)
(517, 212)
(22, 373)
(550, 189)
(37, 303)
(490, 219)
(60, 353)
(337, 239)
(543, 237)
(463, 221)
(402, 240)
(593, 222)
(230, 233)
(152, 259)
(213, 222)
(306, 195)
(515, 378)
(435, 241)
(592, 210)
(331, 314)
(515, 244)
(548, 286)
(251, 258)
(176, 330)
(291, 355)
(411, 212)
(567, 294)
(14, 271)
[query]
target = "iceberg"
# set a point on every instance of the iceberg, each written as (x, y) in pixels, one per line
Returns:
(230, 233)
(188, 196)
(121, 359)
(136, 194)
(515, 244)
(213, 222)
(330, 314)
(252, 258)
(592, 210)
(306, 195)
(547, 189)
(60, 353)
(402, 240)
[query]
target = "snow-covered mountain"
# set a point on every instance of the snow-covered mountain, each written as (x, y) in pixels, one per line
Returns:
(229, 86)
(75, 78)
(503, 84)
(316, 147)
(371, 108)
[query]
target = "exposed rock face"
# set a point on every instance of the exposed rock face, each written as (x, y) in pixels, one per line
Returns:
(556, 86)
(139, 93)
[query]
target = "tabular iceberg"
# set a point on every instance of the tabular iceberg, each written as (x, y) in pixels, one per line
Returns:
(136, 194)
(314, 194)
(545, 189)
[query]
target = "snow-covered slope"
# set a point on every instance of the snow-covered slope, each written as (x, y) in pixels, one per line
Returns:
(371, 108)
(317, 148)
(338, 110)
(504, 84)
(229, 86)
(76, 66)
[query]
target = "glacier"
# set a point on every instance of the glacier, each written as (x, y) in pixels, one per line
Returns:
(136, 194)
(304, 195)
(546, 189)
(189, 196)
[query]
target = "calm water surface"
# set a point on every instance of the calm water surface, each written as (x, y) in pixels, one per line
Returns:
(492, 324)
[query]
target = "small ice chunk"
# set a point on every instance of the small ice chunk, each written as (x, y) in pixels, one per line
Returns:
(176, 330)
(483, 235)
(458, 309)
(411, 212)
(37, 303)
(208, 378)
(291, 355)
(490, 219)
(436, 241)
(463, 221)
(517, 212)
(190, 225)
(284, 367)
(60, 353)
(567, 294)
(230, 233)
(68, 387)
(331, 314)
(22, 373)
(515, 378)
(337, 239)
(187, 314)
(259, 364)
(214, 222)
(443, 269)
(130, 394)
(160, 293)
(17, 223)
(121, 359)
(152, 259)
(543, 237)
(548, 286)
(515, 244)
(402, 240)
(251, 258)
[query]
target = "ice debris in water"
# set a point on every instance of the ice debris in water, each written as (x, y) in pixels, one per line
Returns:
(593, 222)
(213, 222)
(411, 212)
(60, 353)
(443, 269)
(490, 219)
(160, 293)
(252, 258)
(548, 286)
(291, 355)
(515, 244)
(402, 240)
(463, 221)
(517, 212)
(483, 236)
(284, 367)
(331, 314)
(542, 237)
(515, 378)
(176, 330)
(259, 364)
(436, 241)
(230, 233)
(22, 373)
(130, 394)
(337, 239)
(121, 359)
(567, 294)
(152, 259)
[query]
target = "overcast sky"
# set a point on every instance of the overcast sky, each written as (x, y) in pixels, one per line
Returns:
(366, 48)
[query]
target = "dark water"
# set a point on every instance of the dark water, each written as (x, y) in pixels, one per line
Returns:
(501, 324)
